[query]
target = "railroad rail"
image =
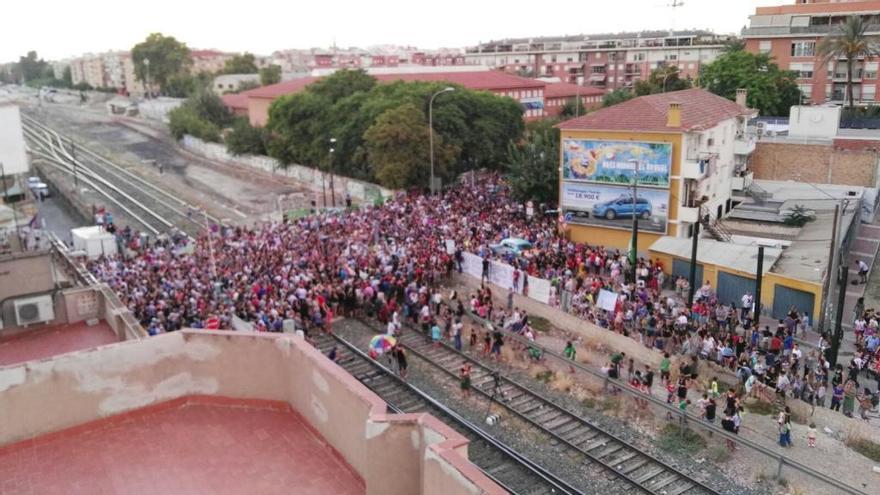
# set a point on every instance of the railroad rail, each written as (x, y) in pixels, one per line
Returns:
(578, 435)
(158, 211)
(504, 465)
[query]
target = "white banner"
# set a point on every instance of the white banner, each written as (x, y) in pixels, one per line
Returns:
(539, 289)
(472, 265)
(501, 274)
(450, 246)
(607, 300)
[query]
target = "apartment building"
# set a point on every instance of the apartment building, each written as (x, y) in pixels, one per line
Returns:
(604, 61)
(211, 61)
(380, 56)
(791, 33)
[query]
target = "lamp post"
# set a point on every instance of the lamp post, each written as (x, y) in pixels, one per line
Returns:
(147, 69)
(447, 89)
(332, 187)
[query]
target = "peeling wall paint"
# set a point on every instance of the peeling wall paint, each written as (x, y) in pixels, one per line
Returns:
(10, 377)
(450, 471)
(374, 429)
(319, 410)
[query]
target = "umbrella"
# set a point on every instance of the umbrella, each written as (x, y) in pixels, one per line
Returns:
(381, 344)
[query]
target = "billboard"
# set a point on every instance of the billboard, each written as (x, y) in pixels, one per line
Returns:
(612, 206)
(614, 162)
(12, 150)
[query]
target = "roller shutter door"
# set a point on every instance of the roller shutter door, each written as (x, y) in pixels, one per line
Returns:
(785, 297)
(732, 287)
(682, 268)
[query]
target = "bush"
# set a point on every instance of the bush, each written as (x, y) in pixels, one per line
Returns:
(245, 139)
(674, 439)
(184, 120)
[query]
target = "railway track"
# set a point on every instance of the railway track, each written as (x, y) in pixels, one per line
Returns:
(156, 210)
(505, 466)
(578, 435)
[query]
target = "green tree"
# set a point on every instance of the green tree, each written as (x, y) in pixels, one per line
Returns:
(167, 57)
(661, 80)
(185, 120)
(851, 42)
(202, 115)
(343, 83)
(573, 107)
(533, 165)
(617, 96)
(771, 90)
(245, 139)
(31, 67)
(245, 63)
(270, 75)
(398, 148)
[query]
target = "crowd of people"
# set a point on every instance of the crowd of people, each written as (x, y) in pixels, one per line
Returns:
(387, 261)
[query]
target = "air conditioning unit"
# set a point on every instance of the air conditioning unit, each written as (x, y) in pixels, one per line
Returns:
(760, 128)
(34, 310)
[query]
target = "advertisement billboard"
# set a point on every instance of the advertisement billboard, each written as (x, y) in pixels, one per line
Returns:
(612, 206)
(614, 162)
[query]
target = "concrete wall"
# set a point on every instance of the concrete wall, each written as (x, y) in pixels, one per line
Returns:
(816, 163)
(46, 396)
(25, 273)
(359, 190)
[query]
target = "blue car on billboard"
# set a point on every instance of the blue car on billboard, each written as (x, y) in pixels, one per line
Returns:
(622, 207)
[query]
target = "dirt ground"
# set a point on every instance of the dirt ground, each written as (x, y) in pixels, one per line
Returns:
(227, 191)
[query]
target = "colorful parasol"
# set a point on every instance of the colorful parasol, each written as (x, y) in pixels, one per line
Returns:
(381, 344)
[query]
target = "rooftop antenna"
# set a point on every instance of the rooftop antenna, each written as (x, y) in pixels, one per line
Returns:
(674, 6)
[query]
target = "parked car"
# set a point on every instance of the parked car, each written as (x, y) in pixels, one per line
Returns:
(38, 187)
(622, 207)
(511, 245)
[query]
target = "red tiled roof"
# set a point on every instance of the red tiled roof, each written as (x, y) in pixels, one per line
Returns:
(233, 101)
(565, 90)
(273, 91)
(486, 80)
(700, 109)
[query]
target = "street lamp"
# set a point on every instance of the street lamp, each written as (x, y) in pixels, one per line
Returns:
(447, 89)
(332, 187)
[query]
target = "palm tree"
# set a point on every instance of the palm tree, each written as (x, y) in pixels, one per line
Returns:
(849, 41)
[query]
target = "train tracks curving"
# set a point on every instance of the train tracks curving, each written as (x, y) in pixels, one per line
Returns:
(576, 434)
(505, 466)
(156, 210)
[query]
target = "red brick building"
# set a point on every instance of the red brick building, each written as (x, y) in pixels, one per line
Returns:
(557, 95)
(791, 33)
(528, 92)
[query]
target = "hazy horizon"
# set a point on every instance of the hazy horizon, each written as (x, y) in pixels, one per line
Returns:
(63, 29)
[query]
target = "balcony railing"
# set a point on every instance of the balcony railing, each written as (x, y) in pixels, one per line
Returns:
(758, 31)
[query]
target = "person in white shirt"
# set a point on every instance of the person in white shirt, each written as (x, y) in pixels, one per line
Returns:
(747, 301)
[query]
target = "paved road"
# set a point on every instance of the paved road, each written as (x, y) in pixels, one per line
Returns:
(58, 217)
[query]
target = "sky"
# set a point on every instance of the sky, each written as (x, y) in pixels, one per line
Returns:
(60, 28)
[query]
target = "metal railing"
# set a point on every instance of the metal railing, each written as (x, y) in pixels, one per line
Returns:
(685, 419)
(714, 226)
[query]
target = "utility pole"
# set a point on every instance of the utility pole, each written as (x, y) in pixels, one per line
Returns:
(635, 225)
(692, 280)
(832, 260)
(843, 278)
(759, 278)
(332, 186)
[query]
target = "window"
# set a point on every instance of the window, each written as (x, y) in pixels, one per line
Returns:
(598, 55)
(804, 70)
(807, 90)
(869, 93)
(670, 56)
(765, 46)
(803, 48)
(638, 57)
(692, 66)
(870, 71)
